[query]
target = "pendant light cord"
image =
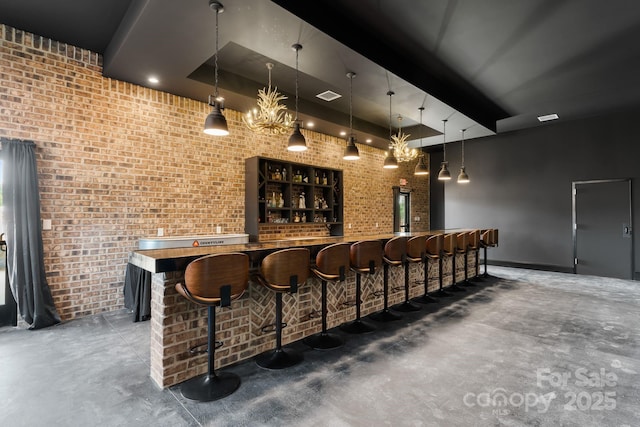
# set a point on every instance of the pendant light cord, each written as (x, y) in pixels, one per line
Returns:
(463, 147)
(351, 104)
(421, 110)
(444, 140)
(215, 60)
(297, 47)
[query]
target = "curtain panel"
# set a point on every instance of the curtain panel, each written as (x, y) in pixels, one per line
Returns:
(25, 258)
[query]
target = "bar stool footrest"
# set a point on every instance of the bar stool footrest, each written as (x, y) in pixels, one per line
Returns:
(202, 348)
(271, 328)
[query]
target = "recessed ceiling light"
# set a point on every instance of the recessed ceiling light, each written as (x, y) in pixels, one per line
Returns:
(329, 95)
(368, 140)
(310, 124)
(548, 117)
(342, 133)
(153, 80)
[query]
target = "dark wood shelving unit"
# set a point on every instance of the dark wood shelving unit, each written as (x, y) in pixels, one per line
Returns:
(285, 193)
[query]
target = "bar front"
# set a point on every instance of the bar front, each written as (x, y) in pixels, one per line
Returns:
(178, 325)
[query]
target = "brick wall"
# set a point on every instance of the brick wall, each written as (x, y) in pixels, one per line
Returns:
(117, 161)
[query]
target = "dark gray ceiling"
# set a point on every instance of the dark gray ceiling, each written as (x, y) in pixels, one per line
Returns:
(490, 65)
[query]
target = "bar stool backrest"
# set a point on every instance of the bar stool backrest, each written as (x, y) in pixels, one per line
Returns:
(449, 243)
(462, 241)
(494, 237)
(415, 247)
(210, 279)
(434, 245)
(284, 270)
(332, 262)
(366, 256)
(395, 250)
(474, 239)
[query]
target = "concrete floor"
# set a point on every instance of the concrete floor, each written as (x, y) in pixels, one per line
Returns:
(527, 348)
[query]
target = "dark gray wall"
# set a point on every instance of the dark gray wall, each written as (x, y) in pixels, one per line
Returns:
(521, 184)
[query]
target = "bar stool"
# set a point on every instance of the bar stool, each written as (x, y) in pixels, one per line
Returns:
(488, 239)
(210, 281)
(462, 248)
(282, 271)
(449, 248)
(405, 306)
(332, 263)
(474, 246)
(433, 251)
(416, 252)
(394, 255)
(365, 256)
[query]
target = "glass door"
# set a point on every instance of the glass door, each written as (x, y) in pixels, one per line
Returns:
(401, 210)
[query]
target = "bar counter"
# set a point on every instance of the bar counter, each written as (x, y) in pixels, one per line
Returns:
(177, 324)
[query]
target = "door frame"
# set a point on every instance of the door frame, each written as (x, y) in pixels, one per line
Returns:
(574, 218)
(397, 191)
(8, 311)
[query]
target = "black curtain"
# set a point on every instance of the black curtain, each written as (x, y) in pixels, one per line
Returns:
(25, 259)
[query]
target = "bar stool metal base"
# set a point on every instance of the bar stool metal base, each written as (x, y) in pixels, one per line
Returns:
(323, 341)
(442, 293)
(206, 388)
(425, 299)
(357, 327)
(278, 359)
(406, 307)
(385, 315)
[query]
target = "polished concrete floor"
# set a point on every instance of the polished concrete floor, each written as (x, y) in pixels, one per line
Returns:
(526, 348)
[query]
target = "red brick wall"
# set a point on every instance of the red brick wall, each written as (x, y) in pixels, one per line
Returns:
(117, 161)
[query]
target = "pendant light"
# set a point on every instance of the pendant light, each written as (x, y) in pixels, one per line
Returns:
(351, 152)
(463, 178)
(296, 140)
(390, 161)
(215, 123)
(444, 174)
(421, 167)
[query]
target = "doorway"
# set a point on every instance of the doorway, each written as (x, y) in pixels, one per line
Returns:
(602, 228)
(8, 307)
(401, 210)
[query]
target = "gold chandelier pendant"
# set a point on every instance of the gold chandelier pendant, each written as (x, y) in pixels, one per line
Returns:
(270, 117)
(401, 149)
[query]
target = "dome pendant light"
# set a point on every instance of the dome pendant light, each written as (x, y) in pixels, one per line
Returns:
(444, 174)
(215, 123)
(463, 178)
(421, 167)
(390, 161)
(296, 140)
(351, 151)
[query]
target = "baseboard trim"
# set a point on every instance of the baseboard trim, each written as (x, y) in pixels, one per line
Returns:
(542, 267)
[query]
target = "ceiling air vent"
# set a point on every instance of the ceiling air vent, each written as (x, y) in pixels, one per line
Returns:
(328, 95)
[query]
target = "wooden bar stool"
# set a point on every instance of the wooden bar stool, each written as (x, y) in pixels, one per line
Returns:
(332, 263)
(474, 246)
(418, 250)
(449, 248)
(435, 246)
(400, 255)
(488, 239)
(210, 281)
(394, 255)
(282, 271)
(365, 257)
(462, 248)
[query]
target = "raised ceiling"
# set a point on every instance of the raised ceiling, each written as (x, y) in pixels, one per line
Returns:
(491, 65)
